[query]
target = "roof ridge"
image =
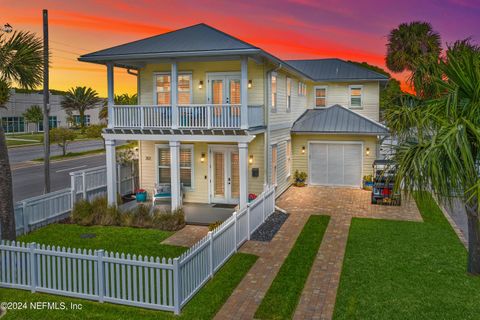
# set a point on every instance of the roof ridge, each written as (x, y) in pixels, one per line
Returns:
(228, 35)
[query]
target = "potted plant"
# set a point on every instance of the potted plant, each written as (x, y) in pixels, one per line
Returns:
(299, 178)
(141, 195)
(368, 182)
(251, 197)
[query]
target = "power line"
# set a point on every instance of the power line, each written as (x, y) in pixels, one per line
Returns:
(69, 45)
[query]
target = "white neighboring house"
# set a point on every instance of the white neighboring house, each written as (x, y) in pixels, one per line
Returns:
(13, 120)
(218, 118)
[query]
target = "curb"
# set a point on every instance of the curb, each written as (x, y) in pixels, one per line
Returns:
(452, 222)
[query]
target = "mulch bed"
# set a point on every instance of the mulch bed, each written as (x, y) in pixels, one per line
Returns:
(267, 231)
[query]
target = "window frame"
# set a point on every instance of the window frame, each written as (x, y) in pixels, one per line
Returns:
(163, 73)
(302, 89)
(273, 96)
(192, 159)
(355, 86)
(315, 96)
(274, 173)
(288, 93)
(288, 160)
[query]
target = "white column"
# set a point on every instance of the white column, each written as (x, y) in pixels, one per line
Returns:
(244, 93)
(243, 172)
(111, 94)
(111, 172)
(175, 174)
(174, 94)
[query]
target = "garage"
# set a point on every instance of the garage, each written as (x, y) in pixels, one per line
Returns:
(335, 163)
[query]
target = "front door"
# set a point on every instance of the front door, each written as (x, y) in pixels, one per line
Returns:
(224, 174)
(223, 89)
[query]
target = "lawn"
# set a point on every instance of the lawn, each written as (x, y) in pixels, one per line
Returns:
(406, 270)
(203, 306)
(116, 239)
(38, 137)
(283, 295)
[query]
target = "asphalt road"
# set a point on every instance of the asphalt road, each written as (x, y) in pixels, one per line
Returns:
(28, 181)
(21, 154)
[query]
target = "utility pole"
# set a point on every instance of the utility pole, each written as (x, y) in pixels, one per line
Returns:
(46, 107)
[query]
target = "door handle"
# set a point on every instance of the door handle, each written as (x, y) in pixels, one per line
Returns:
(229, 180)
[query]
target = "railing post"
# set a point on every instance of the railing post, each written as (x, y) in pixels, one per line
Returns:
(209, 117)
(33, 266)
(142, 117)
(25, 218)
(176, 286)
(248, 221)
(100, 276)
(73, 188)
(210, 252)
(235, 235)
(111, 95)
(84, 185)
(119, 181)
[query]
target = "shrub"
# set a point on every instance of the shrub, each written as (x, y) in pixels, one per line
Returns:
(169, 221)
(82, 213)
(98, 212)
(213, 226)
(141, 216)
(299, 178)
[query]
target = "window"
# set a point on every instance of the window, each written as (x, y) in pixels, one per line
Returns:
(289, 158)
(273, 89)
(289, 94)
(274, 164)
(163, 88)
(356, 96)
(13, 124)
(186, 165)
(52, 123)
(302, 89)
(77, 120)
(320, 97)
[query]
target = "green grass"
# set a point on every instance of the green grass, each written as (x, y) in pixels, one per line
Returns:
(117, 239)
(35, 136)
(204, 305)
(283, 295)
(406, 270)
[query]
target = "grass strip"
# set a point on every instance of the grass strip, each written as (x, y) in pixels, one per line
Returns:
(283, 295)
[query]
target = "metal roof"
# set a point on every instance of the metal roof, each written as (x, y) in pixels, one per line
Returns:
(335, 70)
(337, 119)
(199, 37)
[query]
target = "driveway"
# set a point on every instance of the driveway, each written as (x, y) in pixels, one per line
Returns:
(318, 297)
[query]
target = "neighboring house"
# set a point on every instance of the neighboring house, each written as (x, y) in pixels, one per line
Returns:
(13, 121)
(223, 117)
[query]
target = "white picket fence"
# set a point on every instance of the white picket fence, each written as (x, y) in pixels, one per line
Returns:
(163, 284)
(39, 211)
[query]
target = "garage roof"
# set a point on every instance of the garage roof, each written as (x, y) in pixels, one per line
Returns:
(337, 119)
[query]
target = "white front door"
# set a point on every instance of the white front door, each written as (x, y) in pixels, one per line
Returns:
(224, 175)
(223, 88)
(335, 163)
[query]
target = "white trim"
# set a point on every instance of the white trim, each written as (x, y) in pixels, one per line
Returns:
(315, 97)
(362, 94)
(157, 73)
(309, 163)
(224, 148)
(174, 137)
(182, 146)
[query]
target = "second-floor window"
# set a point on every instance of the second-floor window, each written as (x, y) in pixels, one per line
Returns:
(320, 97)
(289, 94)
(273, 89)
(356, 96)
(302, 89)
(163, 88)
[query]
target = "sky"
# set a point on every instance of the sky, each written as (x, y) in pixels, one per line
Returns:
(289, 29)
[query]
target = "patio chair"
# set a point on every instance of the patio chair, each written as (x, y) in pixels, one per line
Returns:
(163, 191)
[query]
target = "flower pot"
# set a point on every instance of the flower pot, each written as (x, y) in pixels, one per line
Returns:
(141, 196)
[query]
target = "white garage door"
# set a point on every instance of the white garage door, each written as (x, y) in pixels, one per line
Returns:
(337, 164)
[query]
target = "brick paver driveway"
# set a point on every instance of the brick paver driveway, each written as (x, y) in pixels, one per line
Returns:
(318, 297)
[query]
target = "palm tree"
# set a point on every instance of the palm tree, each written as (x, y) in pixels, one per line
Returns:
(34, 114)
(439, 140)
(415, 47)
(121, 99)
(20, 62)
(80, 99)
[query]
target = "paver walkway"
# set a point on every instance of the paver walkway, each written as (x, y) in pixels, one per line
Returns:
(318, 298)
(187, 236)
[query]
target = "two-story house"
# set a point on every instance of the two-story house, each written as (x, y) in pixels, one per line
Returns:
(218, 118)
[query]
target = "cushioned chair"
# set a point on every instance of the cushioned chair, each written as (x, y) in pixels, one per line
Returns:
(163, 191)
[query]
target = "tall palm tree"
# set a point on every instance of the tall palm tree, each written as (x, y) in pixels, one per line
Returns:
(80, 99)
(439, 140)
(415, 47)
(21, 62)
(121, 99)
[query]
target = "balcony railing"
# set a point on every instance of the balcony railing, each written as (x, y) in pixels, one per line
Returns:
(194, 116)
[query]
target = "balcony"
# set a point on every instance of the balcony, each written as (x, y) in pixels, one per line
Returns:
(192, 116)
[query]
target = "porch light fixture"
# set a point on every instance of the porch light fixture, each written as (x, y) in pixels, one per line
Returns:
(249, 84)
(250, 159)
(200, 84)
(7, 28)
(303, 150)
(202, 158)
(367, 151)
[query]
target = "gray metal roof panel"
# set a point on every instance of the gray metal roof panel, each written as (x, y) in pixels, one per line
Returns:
(336, 119)
(334, 70)
(199, 37)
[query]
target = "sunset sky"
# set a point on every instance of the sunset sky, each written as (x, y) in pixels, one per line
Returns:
(294, 29)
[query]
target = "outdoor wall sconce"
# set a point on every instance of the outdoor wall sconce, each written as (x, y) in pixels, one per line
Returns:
(303, 150)
(249, 84)
(367, 151)
(202, 158)
(250, 159)
(200, 84)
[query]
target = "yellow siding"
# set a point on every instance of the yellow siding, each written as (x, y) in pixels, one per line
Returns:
(256, 148)
(300, 160)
